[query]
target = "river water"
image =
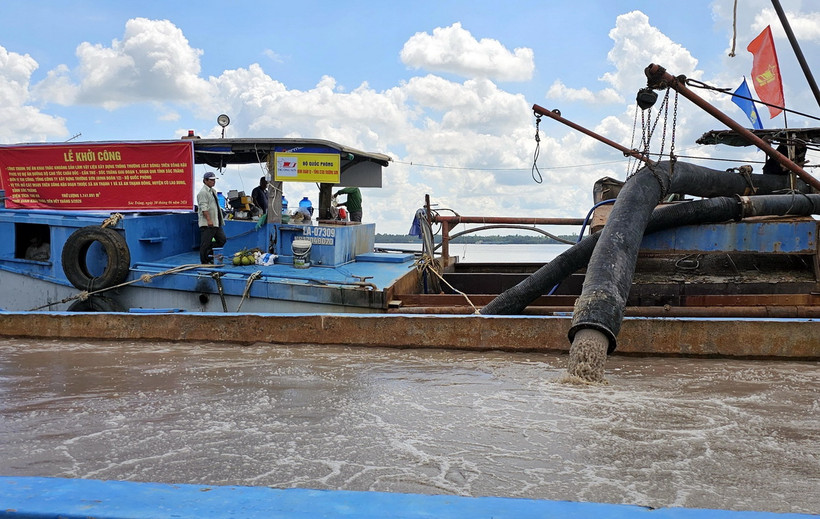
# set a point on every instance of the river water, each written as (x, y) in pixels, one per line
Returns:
(705, 433)
(493, 252)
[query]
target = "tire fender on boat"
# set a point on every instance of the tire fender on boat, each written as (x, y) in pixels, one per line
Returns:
(74, 258)
(96, 304)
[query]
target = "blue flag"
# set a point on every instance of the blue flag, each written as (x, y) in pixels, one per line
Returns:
(746, 105)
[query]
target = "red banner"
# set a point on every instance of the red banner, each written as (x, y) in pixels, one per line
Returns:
(766, 71)
(138, 176)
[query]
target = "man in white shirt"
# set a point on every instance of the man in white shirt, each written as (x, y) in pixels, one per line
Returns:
(211, 233)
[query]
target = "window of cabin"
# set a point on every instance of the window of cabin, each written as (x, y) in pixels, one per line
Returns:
(32, 241)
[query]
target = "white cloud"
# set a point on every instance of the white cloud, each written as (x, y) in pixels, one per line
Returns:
(806, 26)
(478, 136)
(153, 62)
(561, 92)
(169, 115)
(454, 50)
(22, 121)
(637, 44)
(262, 106)
(274, 56)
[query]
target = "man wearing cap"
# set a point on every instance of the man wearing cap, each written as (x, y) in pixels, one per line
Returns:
(211, 233)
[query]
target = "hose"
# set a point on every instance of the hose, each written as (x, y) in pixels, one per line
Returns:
(515, 300)
(612, 264)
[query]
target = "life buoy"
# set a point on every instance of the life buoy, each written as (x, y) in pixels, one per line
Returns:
(75, 252)
(96, 304)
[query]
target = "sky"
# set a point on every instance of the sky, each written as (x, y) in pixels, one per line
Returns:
(445, 88)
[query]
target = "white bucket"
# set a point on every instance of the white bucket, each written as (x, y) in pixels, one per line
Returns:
(301, 253)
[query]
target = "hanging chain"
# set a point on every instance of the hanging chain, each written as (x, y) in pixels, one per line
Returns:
(665, 107)
(646, 137)
(629, 162)
(651, 131)
(672, 157)
(538, 179)
(647, 130)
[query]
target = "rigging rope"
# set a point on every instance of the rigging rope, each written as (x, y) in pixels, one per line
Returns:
(145, 278)
(728, 91)
(734, 30)
(256, 275)
(425, 264)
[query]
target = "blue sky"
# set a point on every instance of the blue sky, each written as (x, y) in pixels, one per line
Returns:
(444, 85)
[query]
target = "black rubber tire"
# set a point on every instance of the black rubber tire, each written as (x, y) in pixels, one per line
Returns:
(76, 249)
(96, 304)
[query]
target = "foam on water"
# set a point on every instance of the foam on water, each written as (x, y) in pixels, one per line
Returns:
(662, 432)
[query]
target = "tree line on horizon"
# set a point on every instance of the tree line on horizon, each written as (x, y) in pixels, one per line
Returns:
(476, 238)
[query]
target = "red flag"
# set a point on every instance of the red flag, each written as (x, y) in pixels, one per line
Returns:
(766, 71)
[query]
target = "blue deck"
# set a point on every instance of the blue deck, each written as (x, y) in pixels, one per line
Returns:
(341, 261)
(34, 497)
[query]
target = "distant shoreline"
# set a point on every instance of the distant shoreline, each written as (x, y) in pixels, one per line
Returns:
(482, 239)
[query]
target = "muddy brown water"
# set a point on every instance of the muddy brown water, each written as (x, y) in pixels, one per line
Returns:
(705, 433)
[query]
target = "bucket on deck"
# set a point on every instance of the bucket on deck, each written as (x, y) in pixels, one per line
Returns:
(301, 253)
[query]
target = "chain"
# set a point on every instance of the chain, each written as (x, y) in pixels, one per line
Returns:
(632, 162)
(672, 157)
(665, 106)
(646, 136)
(648, 129)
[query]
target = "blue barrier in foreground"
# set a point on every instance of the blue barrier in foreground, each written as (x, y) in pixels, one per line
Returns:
(35, 497)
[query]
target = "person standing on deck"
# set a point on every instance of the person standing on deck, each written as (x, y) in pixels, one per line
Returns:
(211, 233)
(259, 195)
(353, 202)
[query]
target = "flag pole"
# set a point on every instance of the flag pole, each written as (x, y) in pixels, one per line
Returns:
(797, 52)
(658, 78)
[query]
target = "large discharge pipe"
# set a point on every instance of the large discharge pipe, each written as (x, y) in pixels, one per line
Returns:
(600, 308)
(704, 182)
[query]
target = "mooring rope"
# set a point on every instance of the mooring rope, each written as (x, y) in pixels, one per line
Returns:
(114, 219)
(426, 263)
(256, 275)
(145, 278)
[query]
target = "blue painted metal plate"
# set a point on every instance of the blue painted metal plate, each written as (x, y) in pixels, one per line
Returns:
(81, 498)
(382, 257)
(790, 236)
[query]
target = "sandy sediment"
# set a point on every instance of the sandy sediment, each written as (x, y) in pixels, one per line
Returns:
(587, 356)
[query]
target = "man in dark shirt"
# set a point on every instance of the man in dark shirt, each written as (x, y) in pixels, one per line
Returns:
(259, 195)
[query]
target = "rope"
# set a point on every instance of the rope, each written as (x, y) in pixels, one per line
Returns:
(242, 234)
(728, 91)
(145, 278)
(112, 220)
(746, 172)
(426, 263)
(256, 275)
(734, 30)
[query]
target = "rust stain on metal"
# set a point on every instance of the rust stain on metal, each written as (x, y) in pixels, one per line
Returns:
(792, 338)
